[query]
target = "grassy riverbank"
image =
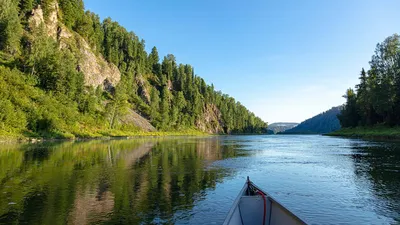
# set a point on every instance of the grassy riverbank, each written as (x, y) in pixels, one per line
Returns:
(375, 132)
(27, 136)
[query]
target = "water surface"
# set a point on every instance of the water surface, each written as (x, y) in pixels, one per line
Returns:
(324, 180)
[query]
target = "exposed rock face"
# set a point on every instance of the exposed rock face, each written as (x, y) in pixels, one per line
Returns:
(137, 120)
(144, 92)
(97, 71)
(170, 86)
(211, 121)
(95, 68)
(37, 17)
(51, 24)
(52, 21)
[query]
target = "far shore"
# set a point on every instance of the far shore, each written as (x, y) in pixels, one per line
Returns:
(9, 138)
(375, 133)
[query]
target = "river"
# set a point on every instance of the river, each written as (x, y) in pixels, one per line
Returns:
(194, 180)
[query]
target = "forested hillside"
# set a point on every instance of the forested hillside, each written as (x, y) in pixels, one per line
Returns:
(323, 123)
(64, 73)
(376, 99)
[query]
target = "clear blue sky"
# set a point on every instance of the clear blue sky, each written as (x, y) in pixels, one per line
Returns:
(284, 60)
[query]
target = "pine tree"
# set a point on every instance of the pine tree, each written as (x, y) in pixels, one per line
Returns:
(154, 62)
(165, 108)
(10, 27)
(349, 116)
(155, 107)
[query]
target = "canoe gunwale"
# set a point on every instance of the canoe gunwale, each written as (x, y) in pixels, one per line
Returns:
(268, 197)
(235, 204)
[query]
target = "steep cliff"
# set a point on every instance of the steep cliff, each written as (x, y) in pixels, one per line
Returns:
(97, 71)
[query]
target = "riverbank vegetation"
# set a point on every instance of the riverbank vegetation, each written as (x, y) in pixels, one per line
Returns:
(373, 108)
(44, 93)
(373, 132)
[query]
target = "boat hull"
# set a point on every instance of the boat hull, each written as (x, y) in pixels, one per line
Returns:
(254, 206)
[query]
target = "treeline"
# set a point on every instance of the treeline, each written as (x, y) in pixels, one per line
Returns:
(322, 123)
(376, 99)
(43, 89)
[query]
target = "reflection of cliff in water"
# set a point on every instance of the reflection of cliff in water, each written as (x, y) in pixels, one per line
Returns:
(125, 181)
(94, 205)
(380, 164)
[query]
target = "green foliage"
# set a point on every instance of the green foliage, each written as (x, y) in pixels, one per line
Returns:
(349, 116)
(54, 69)
(377, 100)
(44, 93)
(93, 31)
(117, 107)
(165, 108)
(10, 117)
(10, 27)
(25, 9)
(154, 62)
(25, 107)
(47, 6)
(72, 12)
(155, 107)
(379, 132)
(178, 97)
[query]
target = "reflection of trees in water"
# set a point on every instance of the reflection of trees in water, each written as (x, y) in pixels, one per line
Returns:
(170, 178)
(380, 164)
(126, 181)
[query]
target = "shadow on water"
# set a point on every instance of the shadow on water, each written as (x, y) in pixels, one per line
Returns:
(379, 164)
(108, 182)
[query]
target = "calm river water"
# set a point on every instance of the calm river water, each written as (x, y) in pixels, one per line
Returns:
(324, 180)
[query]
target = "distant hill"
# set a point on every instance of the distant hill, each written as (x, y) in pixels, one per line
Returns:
(280, 127)
(325, 122)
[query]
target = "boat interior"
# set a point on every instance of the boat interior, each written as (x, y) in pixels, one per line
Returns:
(253, 206)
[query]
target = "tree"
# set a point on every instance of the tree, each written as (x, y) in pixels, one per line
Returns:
(155, 107)
(168, 65)
(178, 104)
(349, 116)
(385, 65)
(73, 12)
(363, 98)
(164, 108)
(26, 6)
(10, 27)
(154, 62)
(117, 107)
(378, 93)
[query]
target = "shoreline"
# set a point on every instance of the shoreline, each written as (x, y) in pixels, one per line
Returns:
(110, 136)
(382, 133)
(37, 139)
